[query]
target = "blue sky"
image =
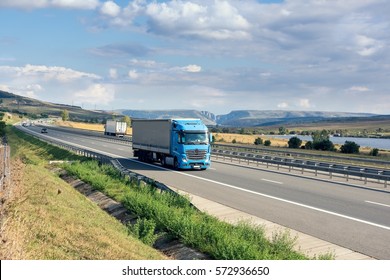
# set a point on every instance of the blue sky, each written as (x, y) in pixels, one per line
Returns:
(215, 55)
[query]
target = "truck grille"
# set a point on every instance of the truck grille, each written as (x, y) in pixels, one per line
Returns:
(196, 154)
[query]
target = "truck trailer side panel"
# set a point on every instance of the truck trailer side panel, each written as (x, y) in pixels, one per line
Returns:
(152, 135)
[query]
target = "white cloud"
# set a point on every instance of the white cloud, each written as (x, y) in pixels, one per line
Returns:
(35, 4)
(55, 84)
(359, 88)
(133, 74)
(44, 72)
(5, 88)
(283, 105)
(192, 68)
(110, 8)
(367, 46)
(219, 20)
(304, 103)
(113, 73)
(144, 63)
(96, 94)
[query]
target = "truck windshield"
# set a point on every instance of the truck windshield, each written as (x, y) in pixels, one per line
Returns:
(193, 138)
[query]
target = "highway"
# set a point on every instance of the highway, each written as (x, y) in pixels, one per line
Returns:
(355, 218)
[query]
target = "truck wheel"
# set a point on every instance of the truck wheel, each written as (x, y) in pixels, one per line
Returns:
(163, 162)
(176, 164)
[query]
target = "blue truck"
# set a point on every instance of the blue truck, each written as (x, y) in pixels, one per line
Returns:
(181, 143)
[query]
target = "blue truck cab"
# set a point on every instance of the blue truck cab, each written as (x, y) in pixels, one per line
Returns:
(190, 144)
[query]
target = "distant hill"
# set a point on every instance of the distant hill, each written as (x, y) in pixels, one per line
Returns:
(35, 108)
(251, 118)
(207, 117)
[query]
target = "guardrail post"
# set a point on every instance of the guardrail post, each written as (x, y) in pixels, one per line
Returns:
(385, 183)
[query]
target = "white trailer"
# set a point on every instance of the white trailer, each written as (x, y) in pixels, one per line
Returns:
(115, 128)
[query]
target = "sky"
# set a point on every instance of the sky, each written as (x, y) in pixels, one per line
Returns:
(215, 55)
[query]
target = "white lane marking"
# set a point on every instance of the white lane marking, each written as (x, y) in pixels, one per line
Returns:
(120, 149)
(377, 203)
(244, 190)
(270, 181)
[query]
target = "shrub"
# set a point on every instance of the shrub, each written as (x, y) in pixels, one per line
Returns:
(234, 141)
(258, 141)
(294, 142)
(267, 143)
(309, 145)
(144, 230)
(350, 147)
(374, 152)
(324, 145)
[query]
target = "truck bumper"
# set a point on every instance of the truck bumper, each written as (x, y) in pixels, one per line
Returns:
(195, 165)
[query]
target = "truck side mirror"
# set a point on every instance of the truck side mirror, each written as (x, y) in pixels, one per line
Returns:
(210, 137)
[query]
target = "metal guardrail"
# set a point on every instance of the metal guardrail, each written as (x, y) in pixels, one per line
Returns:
(330, 168)
(290, 152)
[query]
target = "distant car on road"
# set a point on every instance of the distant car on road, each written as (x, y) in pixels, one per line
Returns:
(44, 130)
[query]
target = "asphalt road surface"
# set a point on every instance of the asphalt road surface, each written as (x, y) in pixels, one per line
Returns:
(355, 218)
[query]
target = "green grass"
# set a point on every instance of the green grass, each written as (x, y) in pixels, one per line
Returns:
(176, 215)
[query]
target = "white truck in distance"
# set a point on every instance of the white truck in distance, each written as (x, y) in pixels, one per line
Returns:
(115, 128)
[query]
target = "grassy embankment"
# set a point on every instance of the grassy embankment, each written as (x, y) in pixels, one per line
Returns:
(50, 220)
(45, 218)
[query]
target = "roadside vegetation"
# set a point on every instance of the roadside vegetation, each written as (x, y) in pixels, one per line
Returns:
(174, 214)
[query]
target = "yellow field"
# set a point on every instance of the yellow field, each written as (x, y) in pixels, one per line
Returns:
(248, 139)
(86, 126)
